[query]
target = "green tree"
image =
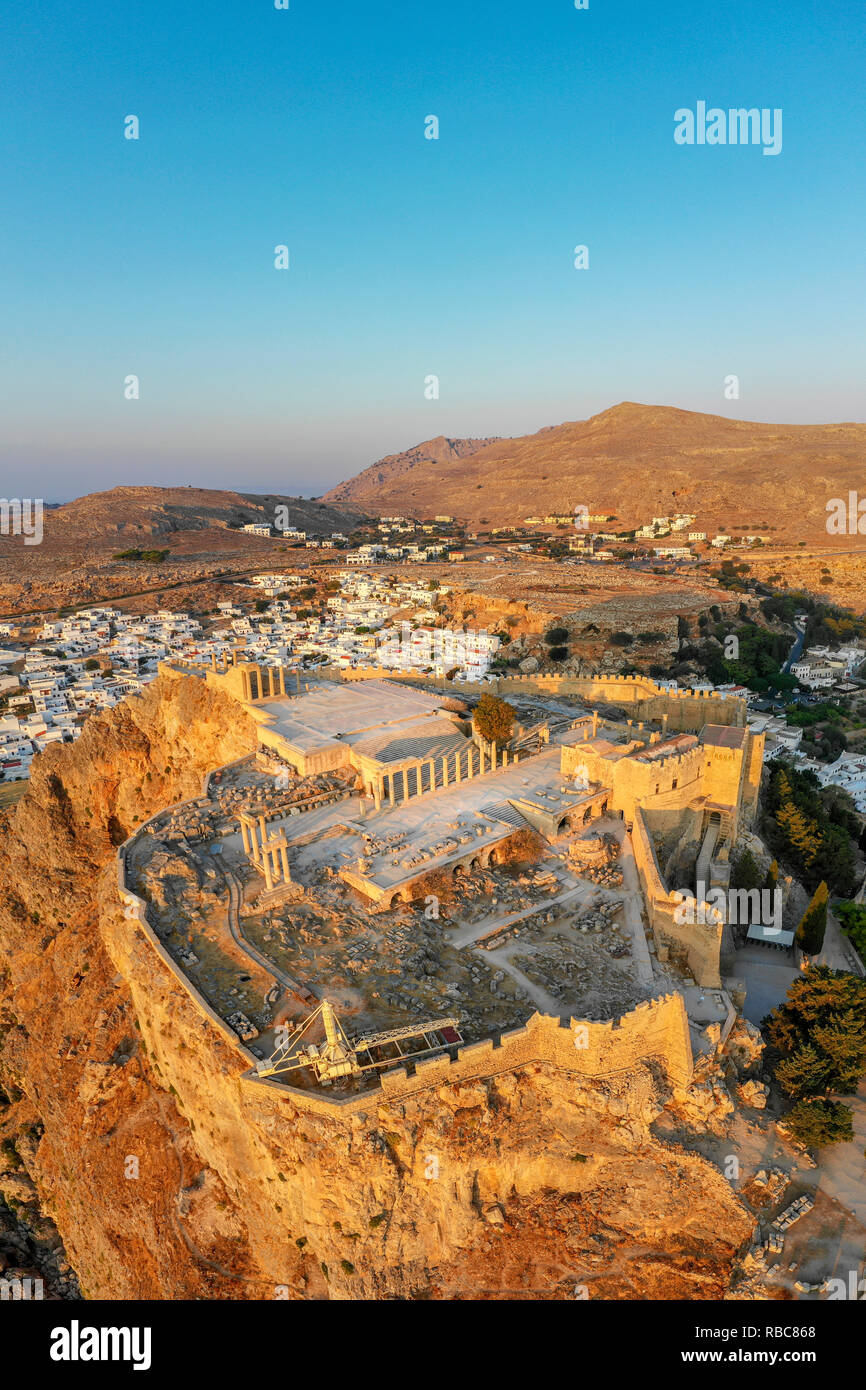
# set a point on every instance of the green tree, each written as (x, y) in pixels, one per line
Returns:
(852, 917)
(825, 1009)
(813, 923)
(804, 1072)
(745, 872)
(493, 719)
(771, 882)
(819, 1123)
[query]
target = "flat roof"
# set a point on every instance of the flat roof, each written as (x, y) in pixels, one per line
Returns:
(772, 935)
(723, 735)
(328, 711)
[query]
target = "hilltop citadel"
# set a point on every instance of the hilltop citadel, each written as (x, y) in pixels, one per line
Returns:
(377, 856)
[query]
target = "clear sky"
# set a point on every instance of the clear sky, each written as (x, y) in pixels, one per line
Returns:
(409, 256)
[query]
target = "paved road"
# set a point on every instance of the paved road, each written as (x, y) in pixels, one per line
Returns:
(837, 951)
(797, 650)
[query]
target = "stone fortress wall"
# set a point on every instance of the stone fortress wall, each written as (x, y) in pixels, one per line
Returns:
(686, 710)
(669, 781)
(655, 1032)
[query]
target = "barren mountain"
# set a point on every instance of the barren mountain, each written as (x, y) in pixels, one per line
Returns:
(137, 511)
(392, 472)
(632, 462)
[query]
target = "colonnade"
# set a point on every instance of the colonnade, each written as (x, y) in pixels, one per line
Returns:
(448, 770)
(268, 854)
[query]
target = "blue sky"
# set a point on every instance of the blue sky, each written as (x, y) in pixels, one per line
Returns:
(409, 256)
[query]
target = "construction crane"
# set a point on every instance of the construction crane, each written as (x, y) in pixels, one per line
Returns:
(339, 1055)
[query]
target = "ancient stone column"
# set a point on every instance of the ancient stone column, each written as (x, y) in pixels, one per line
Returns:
(432, 776)
(595, 722)
(282, 680)
(458, 765)
(245, 836)
(377, 794)
(445, 771)
(493, 756)
(505, 757)
(418, 766)
(213, 661)
(480, 761)
(390, 781)
(264, 834)
(287, 877)
(266, 868)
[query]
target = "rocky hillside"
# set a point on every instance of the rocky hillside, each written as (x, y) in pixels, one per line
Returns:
(387, 478)
(166, 1178)
(633, 462)
(160, 511)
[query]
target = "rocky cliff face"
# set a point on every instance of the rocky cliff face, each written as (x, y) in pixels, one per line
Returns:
(169, 1178)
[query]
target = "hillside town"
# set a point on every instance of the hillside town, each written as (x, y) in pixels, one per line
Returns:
(366, 614)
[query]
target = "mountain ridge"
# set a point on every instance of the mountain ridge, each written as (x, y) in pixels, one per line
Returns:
(632, 461)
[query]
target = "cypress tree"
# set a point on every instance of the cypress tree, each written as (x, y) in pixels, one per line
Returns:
(810, 932)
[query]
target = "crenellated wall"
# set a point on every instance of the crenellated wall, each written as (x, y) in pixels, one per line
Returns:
(669, 781)
(655, 1031)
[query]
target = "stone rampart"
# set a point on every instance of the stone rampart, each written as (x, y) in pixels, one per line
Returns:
(656, 1031)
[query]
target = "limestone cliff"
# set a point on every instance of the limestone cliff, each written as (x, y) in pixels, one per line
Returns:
(168, 1177)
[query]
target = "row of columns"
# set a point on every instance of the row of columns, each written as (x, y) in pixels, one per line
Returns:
(270, 681)
(268, 854)
(385, 784)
